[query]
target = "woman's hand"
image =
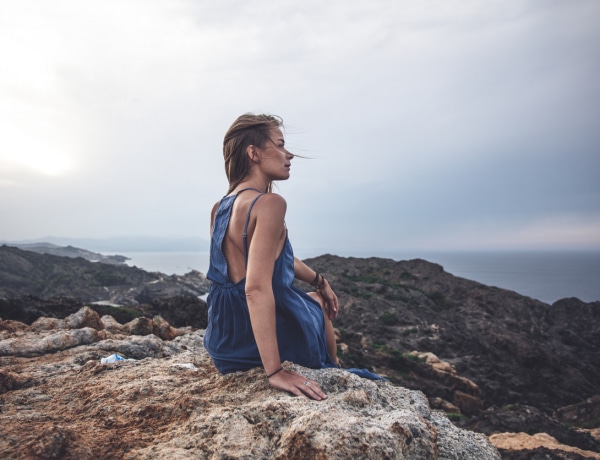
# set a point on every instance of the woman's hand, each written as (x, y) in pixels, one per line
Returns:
(330, 300)
(308, 275)
(297, 384)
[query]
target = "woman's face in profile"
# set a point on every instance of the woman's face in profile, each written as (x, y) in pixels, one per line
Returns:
(274, 159)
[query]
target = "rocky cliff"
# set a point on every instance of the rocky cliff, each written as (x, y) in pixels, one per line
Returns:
(168, 401)
(494, 361)
(46, 276)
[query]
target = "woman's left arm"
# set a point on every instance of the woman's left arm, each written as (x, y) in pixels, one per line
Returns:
(304, 273)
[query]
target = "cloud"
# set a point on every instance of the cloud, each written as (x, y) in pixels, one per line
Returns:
(426, 121)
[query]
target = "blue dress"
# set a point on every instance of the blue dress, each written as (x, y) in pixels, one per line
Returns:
(229, 338)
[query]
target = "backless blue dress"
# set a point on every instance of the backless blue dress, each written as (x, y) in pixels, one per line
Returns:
(229, 339)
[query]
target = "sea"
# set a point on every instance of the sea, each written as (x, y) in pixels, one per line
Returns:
(544, 275)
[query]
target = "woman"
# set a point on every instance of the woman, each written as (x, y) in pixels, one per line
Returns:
(256, 316)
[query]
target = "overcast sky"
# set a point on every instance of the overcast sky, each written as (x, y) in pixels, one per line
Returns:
(450, 124)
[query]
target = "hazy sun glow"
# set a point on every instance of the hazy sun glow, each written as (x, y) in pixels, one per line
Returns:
(21, 149)
(467, 125)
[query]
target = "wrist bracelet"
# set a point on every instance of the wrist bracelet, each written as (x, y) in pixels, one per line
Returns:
(320, 286)
(273, 373)
(316, 280)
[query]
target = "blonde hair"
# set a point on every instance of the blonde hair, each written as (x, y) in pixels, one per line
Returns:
(248, 129)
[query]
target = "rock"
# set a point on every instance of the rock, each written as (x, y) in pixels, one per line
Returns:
(192, 284)
(530, 420)
(11, 381)
(583, 413)
(85, 317)
(466, 394)
(50, 335)
(164, 330)
(47, 324)
(517, 350)
(48, 445)
(468, 404)
(136, 347)
(542, 444)
(504, 361)
(172, 403)
(27, 276)
(442, 404)
(27, 308)
(56, 341)
(180, 311)
(9, 328)
(140, 326)
(112, 325)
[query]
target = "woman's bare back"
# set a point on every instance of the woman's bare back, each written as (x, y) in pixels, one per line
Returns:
(233, 244)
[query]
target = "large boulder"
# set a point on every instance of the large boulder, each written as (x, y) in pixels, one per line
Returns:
(168, 401)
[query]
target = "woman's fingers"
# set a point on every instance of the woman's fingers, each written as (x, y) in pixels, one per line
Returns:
(313, 390)
(330, 301)
(332, 308)
(297, 384)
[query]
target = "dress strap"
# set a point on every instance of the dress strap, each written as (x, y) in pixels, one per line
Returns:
(245, 234)
(249, 188)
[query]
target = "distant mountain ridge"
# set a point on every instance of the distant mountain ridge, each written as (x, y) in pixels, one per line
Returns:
(123, 243)
(71, 251)
(48, 276)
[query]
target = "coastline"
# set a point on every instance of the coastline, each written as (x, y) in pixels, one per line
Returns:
(544, 275)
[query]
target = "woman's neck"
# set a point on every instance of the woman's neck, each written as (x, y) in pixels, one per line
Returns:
(261, 186)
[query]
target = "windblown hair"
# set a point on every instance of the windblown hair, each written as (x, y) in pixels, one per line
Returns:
(249, 129)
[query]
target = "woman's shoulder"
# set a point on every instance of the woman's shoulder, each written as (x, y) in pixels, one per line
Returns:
(271, 205)
(272, 200)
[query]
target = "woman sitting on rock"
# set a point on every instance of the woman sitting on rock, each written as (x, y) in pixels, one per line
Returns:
(256, 316)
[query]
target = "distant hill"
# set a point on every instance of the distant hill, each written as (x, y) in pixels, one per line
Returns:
(47, 276)
(123, 243)
(70, 251)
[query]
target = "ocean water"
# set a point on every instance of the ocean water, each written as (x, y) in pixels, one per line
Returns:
(170, 263)
(546, 276)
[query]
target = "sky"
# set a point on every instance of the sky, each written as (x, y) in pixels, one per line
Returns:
(428, 125)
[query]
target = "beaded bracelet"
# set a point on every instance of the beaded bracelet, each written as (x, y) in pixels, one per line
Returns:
(273, 373)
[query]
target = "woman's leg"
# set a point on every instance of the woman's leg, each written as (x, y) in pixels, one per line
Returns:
(329, 332)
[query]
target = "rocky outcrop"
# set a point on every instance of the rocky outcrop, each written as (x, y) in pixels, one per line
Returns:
(85, 327)
(170, 402)
(45, 276)
(530, 421)
(28, 308)
(180, 311)
(492, 360)
(523, 446)
(516, 349)
(586, 413)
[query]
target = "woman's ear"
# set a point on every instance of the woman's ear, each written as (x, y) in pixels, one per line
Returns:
(252, 153)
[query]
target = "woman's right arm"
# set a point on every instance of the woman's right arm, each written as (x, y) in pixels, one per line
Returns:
(269, 214)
